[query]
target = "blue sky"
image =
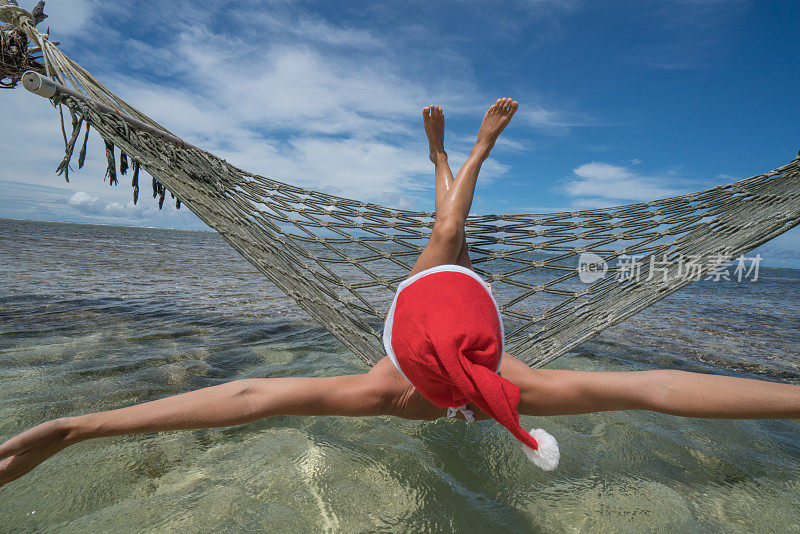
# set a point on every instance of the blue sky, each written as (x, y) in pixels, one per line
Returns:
(619, 101)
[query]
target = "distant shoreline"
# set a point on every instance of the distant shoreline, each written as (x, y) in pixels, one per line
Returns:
(108, 225)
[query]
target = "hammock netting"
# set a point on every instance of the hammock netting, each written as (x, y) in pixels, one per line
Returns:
(341, 259)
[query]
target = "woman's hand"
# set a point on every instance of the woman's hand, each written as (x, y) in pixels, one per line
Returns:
(20, 454)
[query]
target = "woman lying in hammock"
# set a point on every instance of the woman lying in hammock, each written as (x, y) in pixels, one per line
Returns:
(444, 340)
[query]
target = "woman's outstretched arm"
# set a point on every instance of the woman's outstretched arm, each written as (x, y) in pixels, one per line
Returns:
(234, 403)
(556, 392)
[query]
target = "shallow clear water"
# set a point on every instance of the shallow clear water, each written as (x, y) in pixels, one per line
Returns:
(97, 317)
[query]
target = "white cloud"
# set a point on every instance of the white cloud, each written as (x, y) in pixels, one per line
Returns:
(84, 201)
(92, 205)
(279, 92)
(599, 184)
(31, 144)
(97, 207)
(309, 28)
(545, 119)
(304, 114)
(66, 18)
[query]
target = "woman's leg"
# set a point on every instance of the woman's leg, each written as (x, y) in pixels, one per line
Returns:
(558, 392)
(447, 237)
(433, 121)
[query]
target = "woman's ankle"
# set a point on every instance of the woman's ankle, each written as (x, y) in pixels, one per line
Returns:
(437, 156)
(480, 151)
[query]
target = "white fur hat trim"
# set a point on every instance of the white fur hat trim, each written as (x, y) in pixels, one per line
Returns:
(548, 454)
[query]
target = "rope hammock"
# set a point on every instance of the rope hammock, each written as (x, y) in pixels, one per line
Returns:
(341, 259)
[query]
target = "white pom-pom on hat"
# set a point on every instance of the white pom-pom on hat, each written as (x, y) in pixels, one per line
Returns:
(548, 455)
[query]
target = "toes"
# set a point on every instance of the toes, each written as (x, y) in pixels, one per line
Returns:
(504, 105)
(433, 113)
(509, 106)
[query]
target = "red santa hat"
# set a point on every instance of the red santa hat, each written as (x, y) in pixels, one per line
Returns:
(444, 333)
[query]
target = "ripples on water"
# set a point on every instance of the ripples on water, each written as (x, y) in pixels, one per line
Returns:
(95, 317)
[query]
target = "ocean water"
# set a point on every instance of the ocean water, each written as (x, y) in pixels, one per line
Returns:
(98, 317)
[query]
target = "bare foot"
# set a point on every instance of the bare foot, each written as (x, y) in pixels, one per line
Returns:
(496, 119)
(433, 121)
